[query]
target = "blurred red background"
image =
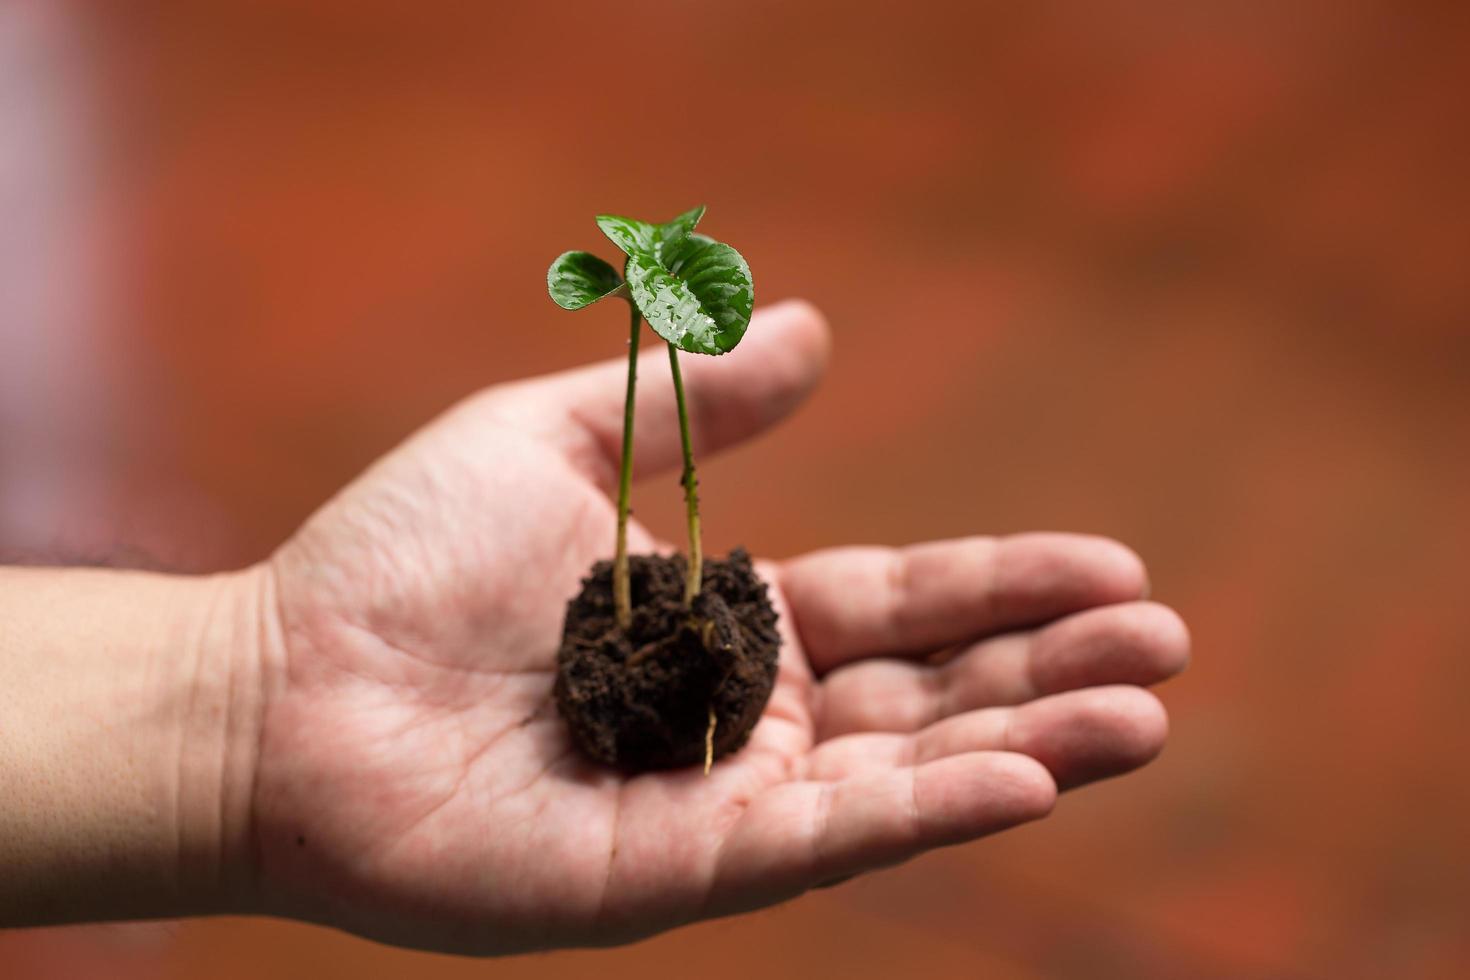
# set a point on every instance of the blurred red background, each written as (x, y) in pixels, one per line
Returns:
(1192, 275)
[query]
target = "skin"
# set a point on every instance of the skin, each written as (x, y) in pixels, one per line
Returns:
(358, 732)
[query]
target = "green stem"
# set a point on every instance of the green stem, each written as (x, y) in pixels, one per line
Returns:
(622, 598)
(691, 493)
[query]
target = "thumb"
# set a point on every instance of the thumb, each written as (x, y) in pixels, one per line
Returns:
(730, 398)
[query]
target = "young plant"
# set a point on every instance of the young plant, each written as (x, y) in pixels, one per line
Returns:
(696, 294)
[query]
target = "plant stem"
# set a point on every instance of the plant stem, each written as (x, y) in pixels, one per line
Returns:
(691, 493)
(622, 598)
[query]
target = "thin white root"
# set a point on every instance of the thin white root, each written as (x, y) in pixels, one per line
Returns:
(709, 741)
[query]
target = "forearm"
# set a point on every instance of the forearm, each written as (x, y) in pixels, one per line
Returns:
(130, 707)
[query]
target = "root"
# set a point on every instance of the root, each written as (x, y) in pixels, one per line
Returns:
(709, 741)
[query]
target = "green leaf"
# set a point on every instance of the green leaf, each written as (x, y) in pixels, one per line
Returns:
(578, 279)
(671, 231)
(695, 292)
(632, 235)
(629, 234)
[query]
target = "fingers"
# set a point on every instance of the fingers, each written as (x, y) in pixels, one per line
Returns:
(730, 398)
(851, 603)
(1079, 736)
(1084, 736)
(1140, 643)
(801, 835)
(874, 799)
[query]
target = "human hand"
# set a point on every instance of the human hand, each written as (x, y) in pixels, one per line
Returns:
(414, 783)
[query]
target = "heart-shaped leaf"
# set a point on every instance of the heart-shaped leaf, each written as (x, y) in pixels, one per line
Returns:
(578, 279)
(695, 292)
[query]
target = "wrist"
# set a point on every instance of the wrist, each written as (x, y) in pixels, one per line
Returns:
(228, 645)
(132, 706)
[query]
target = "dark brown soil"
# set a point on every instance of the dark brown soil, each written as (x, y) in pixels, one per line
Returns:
(640, 700)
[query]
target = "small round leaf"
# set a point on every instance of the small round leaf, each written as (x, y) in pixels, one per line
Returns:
(578, 279)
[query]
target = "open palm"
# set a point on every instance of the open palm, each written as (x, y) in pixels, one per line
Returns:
(416, 785)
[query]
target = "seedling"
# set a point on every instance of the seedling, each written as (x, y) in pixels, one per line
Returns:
(696, 294)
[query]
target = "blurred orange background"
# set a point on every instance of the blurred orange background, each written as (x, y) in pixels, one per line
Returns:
(1192, 275)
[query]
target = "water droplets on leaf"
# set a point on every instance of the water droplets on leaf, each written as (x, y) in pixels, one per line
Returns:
(695, 292)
